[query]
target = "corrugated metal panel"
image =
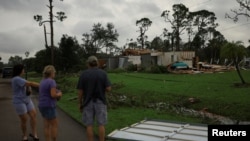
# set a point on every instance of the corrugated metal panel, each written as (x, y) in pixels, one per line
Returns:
(152, 130)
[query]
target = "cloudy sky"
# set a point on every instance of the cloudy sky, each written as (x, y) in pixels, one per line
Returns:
(20, 33)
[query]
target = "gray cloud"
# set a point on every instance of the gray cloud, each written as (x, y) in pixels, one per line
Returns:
(16, 41)
(22, 5)
(19, 32)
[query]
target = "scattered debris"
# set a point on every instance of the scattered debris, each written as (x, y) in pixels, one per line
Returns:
(202, 68)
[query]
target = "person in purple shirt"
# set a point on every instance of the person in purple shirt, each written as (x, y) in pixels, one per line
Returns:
(22, 102)
(48, 96)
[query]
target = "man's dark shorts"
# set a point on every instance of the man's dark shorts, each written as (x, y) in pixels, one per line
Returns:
(95, 110)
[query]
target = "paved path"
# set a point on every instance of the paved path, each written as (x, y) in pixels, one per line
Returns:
(69, 130)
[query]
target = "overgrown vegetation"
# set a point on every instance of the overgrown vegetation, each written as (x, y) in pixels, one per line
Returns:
(136, 96)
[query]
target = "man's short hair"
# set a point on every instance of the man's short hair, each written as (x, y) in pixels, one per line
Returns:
(92, 61)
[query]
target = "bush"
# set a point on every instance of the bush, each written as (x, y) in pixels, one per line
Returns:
(155, 69)
(132, 67)
(141, 68)
(117, 70)
(163, 69)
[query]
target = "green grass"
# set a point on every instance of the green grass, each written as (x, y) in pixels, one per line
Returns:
(215, 92)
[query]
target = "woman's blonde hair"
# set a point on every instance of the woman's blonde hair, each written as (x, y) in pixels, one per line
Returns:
(48, 70)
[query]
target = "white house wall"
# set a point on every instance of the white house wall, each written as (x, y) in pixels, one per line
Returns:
(163, 58)
(136, 60)
(166, 58)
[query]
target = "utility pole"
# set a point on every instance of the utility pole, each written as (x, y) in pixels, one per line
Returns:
(26, 65)
(45, 36)
(60, 16)
(51, 31)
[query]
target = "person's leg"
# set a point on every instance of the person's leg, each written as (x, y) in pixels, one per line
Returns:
(88, 120)
(90, 134)
(54, 129)
(47, 130)
(32, 115)
(21, 110)
(50, 122)
(24, 119)
(101, 117)
(101, 131)
(46, 124)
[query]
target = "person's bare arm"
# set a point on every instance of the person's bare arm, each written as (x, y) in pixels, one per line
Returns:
(32, 84)
(54, 93)
(80, 97)
(108, 89)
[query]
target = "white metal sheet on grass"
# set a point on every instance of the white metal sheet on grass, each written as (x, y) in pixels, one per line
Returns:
(152, 130)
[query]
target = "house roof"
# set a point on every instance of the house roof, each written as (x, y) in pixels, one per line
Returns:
(153, 130)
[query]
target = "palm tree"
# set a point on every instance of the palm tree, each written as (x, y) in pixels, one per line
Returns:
(234, 51)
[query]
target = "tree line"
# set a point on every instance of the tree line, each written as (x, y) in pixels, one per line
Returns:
(198, 26)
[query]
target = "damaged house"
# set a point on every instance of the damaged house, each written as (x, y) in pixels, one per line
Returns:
(147, 58)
